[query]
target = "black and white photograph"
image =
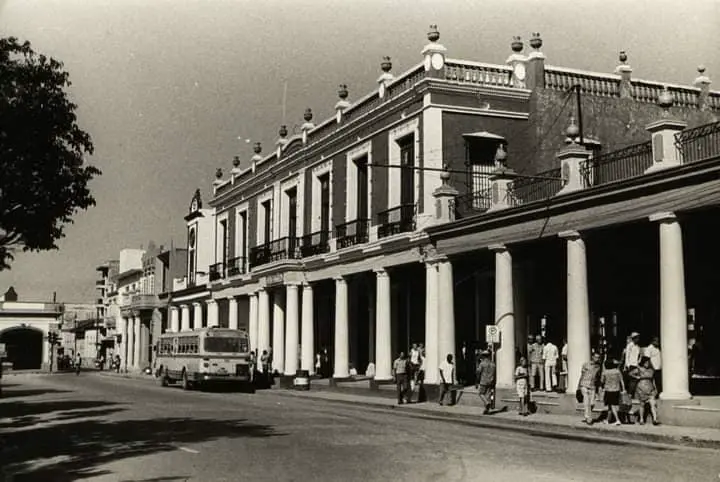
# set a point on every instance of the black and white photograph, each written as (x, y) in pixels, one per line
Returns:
(343, 240)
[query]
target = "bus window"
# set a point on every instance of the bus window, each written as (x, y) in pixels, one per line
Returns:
(225, 345)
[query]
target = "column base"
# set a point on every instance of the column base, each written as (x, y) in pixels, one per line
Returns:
(675, 396)
(285, 381)
(375, 383)
(333, 381)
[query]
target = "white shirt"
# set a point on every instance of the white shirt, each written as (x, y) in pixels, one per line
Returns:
(632, 355)
(414, 354)
(446, 370)
(653, 354)
(550, 353)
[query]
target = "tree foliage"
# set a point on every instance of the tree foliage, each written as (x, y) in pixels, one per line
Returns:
(43, 179)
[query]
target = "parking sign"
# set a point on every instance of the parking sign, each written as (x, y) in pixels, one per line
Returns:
(492, 334)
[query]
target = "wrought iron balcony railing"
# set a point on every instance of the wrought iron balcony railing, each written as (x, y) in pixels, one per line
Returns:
(216, 271)
(538, 187)
(283, 248)
(473, 203)
(400, 219)
(700, 143)
(352, 233)
(618, 165)
(315, 243)
(235, 266)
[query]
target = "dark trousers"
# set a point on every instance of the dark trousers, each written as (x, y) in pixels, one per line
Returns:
(401, 379)
(444, 390)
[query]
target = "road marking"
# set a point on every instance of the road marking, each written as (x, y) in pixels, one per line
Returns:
(185, 449)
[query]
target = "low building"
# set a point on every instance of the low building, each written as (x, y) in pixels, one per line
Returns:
(24, 329)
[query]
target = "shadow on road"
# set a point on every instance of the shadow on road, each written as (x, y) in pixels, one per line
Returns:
(29, 393)
(76, 450)
(25, 409)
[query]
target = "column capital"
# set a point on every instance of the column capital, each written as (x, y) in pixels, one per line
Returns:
(569, 234)
(340, 279)
(307, 285)
(211, 301)
(663, 217)
(380, 272)
(173, 308)
(196, 303)
(497, 247)
(293, 284)
(231, 299)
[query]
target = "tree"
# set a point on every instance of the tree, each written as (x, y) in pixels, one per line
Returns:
(43, 179)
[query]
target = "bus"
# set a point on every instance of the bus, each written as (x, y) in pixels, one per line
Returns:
(199, 357)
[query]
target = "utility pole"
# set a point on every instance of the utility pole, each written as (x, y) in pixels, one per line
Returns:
(578, 101)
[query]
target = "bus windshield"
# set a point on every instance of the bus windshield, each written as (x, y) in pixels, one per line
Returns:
(225, 345)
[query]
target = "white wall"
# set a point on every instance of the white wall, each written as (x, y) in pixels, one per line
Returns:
(131, 259)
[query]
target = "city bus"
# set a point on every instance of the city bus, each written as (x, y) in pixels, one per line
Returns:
(199, 357)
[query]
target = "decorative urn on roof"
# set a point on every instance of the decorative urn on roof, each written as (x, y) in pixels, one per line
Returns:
(308, 115)
(622, 56)
(536, 41)
(236, 161)
(665, 99)
(386, 64)
(218, 174)
(516, 45)
(433, 35)
(343, 91)
(572, 131)
(257, 148)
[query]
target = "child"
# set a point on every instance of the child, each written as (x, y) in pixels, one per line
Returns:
(612, 382)
(521, 385)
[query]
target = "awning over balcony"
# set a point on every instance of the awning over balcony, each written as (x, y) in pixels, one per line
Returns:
(483, 135)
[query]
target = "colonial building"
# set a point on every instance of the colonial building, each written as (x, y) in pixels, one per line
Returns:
(459, 195)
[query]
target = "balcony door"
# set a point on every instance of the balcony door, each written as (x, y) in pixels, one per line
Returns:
(407, 171)
(362, 187)
(224, 242)
(324, 204)
(267, 228)
(292, 215)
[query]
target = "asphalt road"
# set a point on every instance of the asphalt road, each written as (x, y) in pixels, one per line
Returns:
(62, 428)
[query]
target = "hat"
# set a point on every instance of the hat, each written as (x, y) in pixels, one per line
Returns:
(484, 353)
(634, 334)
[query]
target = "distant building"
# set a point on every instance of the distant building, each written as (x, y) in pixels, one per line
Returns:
(24, 327)
(83, 331)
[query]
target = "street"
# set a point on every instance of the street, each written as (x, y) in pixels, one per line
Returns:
(91, 427)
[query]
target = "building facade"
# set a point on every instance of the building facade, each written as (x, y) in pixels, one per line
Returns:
(460, 195)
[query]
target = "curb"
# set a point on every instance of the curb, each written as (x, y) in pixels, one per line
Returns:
(579, 432)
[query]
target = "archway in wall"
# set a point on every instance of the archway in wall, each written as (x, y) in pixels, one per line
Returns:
(24, 347)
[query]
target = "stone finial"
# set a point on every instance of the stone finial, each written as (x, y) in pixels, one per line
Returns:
(625, 73)
(218, 174)
(665, 101)
(236, 161)
(386, 64)
(307, 126)
(445, 175)
(703, 83)
(536, 41)
(343, 92)
(341, 104)
(572, 131)
(433, 34)
(257, 148)
(500, 156)
(622, 57)
(516, 45)
(283, 132)
(308, 115)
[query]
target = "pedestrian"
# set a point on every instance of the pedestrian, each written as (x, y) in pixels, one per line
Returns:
(564, 373)
(420, 377)
(550, 358)
(78, 362)
(537, 368)
(521, 386)
(117, 363)
(265, 364)
(588, 385)
(645, 390)
(612, 382)
(401, 367)
(652, 351)
(485, 378)
(631, 357)
(414, 365)
(447, 379)
(318, 365)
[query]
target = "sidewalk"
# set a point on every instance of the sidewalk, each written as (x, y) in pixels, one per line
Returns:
(561, 425)
(568, 424)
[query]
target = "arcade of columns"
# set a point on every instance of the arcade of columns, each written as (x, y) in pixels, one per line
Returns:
(440, 318)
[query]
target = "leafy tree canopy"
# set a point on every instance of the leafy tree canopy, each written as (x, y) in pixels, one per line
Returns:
(43, 181)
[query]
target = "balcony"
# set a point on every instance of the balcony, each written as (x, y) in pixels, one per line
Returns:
(144, 302)
(700, 143)
(235, 266)
(618, 165)
(279, 249)
(315, 243)
(538, 187)
(216, 271)
(352, 233)
(400, 219)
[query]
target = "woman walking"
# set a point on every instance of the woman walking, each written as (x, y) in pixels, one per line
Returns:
(645, 390)
(521, 386)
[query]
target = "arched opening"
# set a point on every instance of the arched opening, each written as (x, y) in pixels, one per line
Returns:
(24, 347)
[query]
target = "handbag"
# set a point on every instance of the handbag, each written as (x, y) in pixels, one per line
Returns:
(579, 396)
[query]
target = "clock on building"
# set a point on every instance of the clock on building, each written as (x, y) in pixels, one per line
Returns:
(196, 202)
(438, 61)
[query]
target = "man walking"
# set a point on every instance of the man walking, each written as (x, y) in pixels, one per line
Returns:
(588, 384)
(447, 378)
(485, 377)
(632, 358)
(652, 351)
(400, 373)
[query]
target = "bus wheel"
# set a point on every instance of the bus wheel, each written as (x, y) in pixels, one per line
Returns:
(163, 377)
(186, 384)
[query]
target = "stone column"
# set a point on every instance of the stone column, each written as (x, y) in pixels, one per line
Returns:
(253, 323)
(341, 329)
(308, 330)
(212, 313)
(432, 361)
(263, 339)
(122, 346)
(129, 345)
(197, 316)
(46, 349)
(278, 340)
(185, 318)
(137, 342)
(291, 330)
(504, 316)
(383, 333)
(144, 358)
(673, 310)
(578, 309)
(174, 319)
(232, 313)
(446, 312)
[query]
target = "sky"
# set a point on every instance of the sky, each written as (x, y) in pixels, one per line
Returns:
(170, 90)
